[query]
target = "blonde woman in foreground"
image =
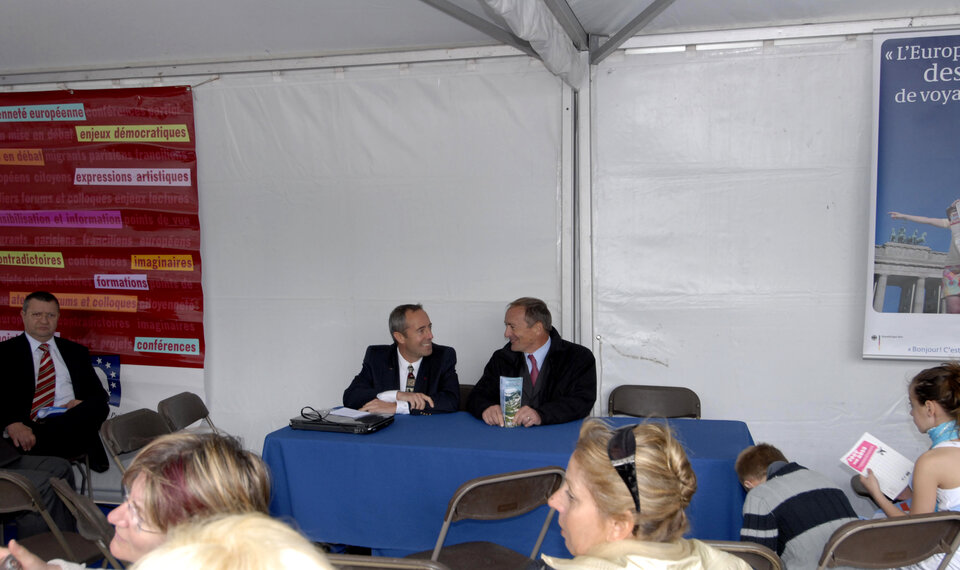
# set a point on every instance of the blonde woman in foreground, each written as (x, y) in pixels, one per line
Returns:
(235, 542)
(622, 503)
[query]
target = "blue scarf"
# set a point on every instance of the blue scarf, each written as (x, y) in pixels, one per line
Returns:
(943, 432)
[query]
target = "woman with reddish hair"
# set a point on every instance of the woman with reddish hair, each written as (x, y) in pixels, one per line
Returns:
(176, 478)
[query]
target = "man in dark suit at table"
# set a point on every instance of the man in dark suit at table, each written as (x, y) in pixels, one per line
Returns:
(411, 376)
(559, 377)
(40, 371)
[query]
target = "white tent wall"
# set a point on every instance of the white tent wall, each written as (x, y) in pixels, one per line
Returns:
(329, 197)
(731, 196)
(725, 243)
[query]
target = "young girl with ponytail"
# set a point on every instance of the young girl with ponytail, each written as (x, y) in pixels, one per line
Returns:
(935, 408)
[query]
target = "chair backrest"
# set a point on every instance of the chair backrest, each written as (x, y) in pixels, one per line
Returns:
(131, 431)
(465, 390)
(183, 409)
(91, 522)
(894, 541)
(502, 496)
(351, 561)
(17, 493)
(758, 556)
(654, 401)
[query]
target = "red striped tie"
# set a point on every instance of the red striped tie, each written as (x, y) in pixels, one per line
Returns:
(46, 382)
(534, 371)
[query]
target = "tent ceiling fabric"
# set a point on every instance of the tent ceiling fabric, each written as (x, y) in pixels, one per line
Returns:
(536, 24)
(51, 35)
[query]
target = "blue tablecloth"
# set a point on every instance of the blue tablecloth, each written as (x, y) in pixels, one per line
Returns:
(389, 490)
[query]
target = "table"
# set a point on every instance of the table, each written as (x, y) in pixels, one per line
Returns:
(389, 490)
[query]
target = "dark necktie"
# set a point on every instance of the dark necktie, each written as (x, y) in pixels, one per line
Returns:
(411, 380)
(534, 371)
(46, 382)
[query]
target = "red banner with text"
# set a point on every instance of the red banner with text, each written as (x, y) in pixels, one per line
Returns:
(98, 205)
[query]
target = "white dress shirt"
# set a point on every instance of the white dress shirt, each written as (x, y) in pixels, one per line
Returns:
(64, 391)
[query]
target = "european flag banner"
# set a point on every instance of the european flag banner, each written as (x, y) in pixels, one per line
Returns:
(107, 367)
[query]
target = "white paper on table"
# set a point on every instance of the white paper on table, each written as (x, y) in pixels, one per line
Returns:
(892, 469)
(348, 413)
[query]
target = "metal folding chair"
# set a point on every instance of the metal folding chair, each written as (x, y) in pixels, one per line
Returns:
(184, 409)
(654, 401)
(495, 497)
(131, 431)
(91, 522)
(18, 494)
(893, 542)
(465, 390)
(758, 556)
(354, 561)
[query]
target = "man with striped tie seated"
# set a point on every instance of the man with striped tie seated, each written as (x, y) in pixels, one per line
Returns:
(412, 375)
(38, 371)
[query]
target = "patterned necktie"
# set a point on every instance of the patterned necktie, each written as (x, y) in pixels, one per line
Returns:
(534, 371)
(411, 380)
(46, 382)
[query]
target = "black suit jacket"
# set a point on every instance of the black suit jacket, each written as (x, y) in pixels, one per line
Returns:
(75, 431)
(566, 387)
(437, 378)
(18, 377)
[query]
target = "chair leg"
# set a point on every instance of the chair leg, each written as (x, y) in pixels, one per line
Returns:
(87, 480)
(543, 534)
(86, 484)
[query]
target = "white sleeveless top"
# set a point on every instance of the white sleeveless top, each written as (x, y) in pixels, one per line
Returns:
(949, 499)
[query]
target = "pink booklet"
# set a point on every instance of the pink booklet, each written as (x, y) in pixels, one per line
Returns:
(892, 469)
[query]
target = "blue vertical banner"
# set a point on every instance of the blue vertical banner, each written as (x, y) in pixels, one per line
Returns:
(912, 308)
